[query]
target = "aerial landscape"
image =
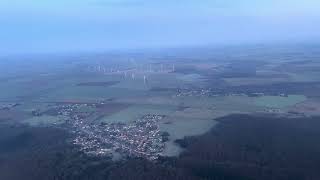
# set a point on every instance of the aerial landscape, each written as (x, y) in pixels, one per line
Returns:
(134, 90)
(162, 110)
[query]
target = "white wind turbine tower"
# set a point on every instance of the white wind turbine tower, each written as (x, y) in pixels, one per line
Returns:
(144, 79)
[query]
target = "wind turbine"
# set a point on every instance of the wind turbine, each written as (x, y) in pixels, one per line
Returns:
(144, 79)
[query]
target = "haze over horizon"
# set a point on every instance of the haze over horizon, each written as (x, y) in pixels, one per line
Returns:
(35, 26)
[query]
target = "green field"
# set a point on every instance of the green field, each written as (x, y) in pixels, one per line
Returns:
(135, 112)
(279, 101)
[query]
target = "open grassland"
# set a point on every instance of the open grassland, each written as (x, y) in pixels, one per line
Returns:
(135, 112)
(255, 80)
(279, 101)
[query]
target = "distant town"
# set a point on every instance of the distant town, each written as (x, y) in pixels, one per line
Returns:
(141, 138)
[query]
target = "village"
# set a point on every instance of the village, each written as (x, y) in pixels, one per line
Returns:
(141, 138)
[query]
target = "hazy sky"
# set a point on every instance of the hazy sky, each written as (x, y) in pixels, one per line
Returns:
(94, 25)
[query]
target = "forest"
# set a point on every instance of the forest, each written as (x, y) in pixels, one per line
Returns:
(239, 147)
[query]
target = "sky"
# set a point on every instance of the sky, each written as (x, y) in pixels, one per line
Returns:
(39, 26)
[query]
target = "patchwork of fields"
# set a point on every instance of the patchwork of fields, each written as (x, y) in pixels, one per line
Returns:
(126, 95)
